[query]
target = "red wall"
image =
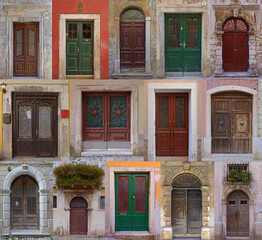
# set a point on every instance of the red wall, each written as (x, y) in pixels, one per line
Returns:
(89, 7)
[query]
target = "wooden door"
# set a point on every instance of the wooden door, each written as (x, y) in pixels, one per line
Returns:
(24, 204)
(131, 202)
(172, 124)
(35, 124)
(235, 46)
(237, 215)
(78, 216)
(79, 48)
(182, 43)
(25, 59)
(231, 123)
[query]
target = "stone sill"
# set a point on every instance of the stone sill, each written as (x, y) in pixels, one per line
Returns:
(88, 153)
(27, 232)
(230, 157)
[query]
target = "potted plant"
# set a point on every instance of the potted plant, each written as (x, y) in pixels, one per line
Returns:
(244, 176)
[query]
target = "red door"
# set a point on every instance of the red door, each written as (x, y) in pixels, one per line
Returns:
(235, 46)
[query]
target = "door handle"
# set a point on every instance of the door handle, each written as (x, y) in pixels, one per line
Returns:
(184, 45)
(77, 49)
(36, 132)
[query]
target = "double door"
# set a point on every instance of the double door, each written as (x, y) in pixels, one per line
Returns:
(183, 43)
(79, 48)
(131, 202)
(172, 124)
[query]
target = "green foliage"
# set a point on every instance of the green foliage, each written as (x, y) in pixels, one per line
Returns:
(244, 176)
(89, 176)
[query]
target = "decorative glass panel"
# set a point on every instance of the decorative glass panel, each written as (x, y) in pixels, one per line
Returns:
(86, 30)
(94, 111)
(235, 25)
(45, 122)
(78, 202)
(31, 43)
(72, 30)
(118, 111)
(132, 15)
(17, 194)
(19, 43)
(123, 194)
(25, 122)
(173, 32)
(140, 194)
(163, 112)
(186, 181)
(192, 25)
(31, 192)
(180, 112)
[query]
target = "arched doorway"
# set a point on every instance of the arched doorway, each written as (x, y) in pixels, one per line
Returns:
(132, 39)
(24, 203)
(235, 45)
(78, 216)
(237, 214)
(186, 205)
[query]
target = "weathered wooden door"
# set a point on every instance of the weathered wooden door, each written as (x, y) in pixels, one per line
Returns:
(78, 216)
(237, 215)
(183, 43)
(79, 48)
(132, 39)
(235, 46)
(24, 204)
(131, 202)
(172, 124)
(231, 123)
(25, 59)
(35, 124)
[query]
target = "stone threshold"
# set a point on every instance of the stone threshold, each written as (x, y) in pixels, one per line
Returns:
(236, 75)
(132, 75)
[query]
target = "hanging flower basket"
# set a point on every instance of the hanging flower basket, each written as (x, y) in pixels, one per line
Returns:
(244, 176)
(78, 176)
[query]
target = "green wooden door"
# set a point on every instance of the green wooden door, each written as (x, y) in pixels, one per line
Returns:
(183, 42)
(79, 48)
(131, 204)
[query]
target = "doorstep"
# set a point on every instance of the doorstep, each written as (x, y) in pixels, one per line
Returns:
(133, 235)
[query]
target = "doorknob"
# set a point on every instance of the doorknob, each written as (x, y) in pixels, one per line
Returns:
(133, 197)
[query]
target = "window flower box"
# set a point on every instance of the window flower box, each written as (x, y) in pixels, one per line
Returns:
(244, 176)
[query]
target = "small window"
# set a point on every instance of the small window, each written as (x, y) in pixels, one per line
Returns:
(102, 202)
(54, 201)
(243, 202)
(239, 167)
(231, 202)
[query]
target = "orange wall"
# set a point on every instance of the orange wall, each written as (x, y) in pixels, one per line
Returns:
(89, 7)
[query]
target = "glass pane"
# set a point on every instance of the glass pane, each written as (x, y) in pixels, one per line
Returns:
(132, 15)
(180, 112)
(25, 122)
(31, 43)
(31, 192)
(163, 112)
(140, 194)
(87, 30)
(45, 122)
(173, 32)
(118, 111)
(19, 43)
(17, 193)
(123, 194)
(192, 25)
(94, 111)
(72, 31)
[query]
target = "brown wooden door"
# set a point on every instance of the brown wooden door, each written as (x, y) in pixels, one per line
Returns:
(172, 124)
(132, 44)
(231, 123)
(235, 46)
(24, 204)
(35, 124)
(25, 49)
(237, 215)
(78, 216)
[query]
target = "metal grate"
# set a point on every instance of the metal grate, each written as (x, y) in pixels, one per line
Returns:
(239, 167)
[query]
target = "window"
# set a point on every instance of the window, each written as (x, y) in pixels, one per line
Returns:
(106, 117)
(231, 122)
(102, 202)
(239, 167)
(54, 201)
(25, 49)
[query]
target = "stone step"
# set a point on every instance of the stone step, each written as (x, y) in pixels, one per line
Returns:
(132, 236)
(132, 76)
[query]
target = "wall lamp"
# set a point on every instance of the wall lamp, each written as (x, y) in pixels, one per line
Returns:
(3, 86)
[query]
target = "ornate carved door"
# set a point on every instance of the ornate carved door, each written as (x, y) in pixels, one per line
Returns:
(132, 39)
(235, 46)
(24, 203)
(35, 124)
(237, 214)
(78, 216)
(183, 43)
(172, 124)
(131, 202)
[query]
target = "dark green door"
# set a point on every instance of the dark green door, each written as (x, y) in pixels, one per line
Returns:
(79, 48)
(183, 42)
(131, 202)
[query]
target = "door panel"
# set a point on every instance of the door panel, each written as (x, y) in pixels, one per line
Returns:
(241, 55)
(194, 206)
(78, 221)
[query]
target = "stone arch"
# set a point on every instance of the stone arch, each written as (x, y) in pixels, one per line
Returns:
(233, 188)
(140, 6)
(70, 199)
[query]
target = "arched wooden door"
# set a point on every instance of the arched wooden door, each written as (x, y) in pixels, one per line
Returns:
(235, 46)
(78, 216)
(237, 214)
(132, 39)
